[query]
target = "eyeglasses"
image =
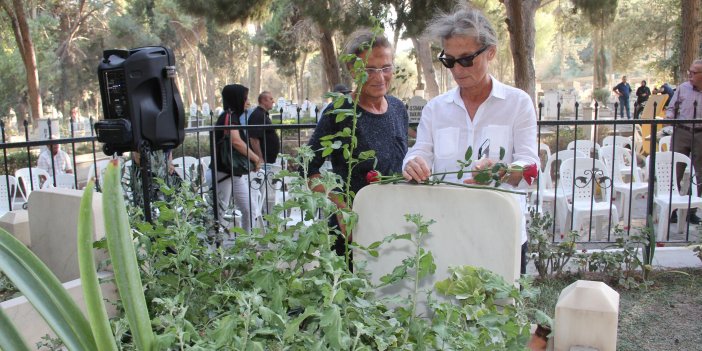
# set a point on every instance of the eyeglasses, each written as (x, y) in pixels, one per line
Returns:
(382, 70)
(465, 61)
(692, 73)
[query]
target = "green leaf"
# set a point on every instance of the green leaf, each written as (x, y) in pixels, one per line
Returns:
(10, 338)
(44, 291)
(97, 314)
(326, 152)
(426, 264)
(294, 326)
(482, 177)
(331, 324)
(502, 152)
(469, 153)
(124, 261)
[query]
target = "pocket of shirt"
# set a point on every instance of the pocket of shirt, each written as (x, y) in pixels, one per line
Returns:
(500, 137)
(446, 142)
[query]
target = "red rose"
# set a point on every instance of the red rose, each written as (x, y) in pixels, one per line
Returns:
(373, 177)
(530, 173)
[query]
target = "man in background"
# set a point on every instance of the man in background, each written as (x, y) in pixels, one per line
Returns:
(687, 138)
(264, 142)
(623, 90)
(62, 162)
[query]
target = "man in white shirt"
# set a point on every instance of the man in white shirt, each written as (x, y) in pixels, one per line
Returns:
(481, 112)
(62, 162)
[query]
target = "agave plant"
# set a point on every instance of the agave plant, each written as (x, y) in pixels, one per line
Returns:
(45, 292)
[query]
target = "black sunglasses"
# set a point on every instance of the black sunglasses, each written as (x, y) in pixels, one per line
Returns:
(465, 61)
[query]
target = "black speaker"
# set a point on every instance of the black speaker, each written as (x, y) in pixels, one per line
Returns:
(140, 100)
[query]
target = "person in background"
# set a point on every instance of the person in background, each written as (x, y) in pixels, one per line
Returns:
(62, 162)
(382, 126)
(623, 90)
(666, 89)
(687, 138)
(264, 142)
(642, 94)
(481, 112)
(234, 101)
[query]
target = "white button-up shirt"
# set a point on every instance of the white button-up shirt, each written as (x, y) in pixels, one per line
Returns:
(507, 118)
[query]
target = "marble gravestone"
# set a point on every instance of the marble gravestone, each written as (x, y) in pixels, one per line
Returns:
(472, 227)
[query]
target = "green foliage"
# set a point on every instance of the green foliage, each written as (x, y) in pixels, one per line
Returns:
(601, 95)
(549, 257)
(563, 137)
(622, 264)
(226, 12)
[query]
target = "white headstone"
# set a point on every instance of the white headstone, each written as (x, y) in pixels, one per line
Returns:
(193, 109)
(280, 103)
(53, 219)
(205, 109)
(473, 227)
(414, 108)
(550, 101)
(587, 314)
(42, 130)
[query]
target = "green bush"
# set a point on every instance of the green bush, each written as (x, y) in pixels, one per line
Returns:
(17, 160)
(601, 95)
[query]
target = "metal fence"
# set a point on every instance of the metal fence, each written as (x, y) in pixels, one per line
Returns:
(598, 175)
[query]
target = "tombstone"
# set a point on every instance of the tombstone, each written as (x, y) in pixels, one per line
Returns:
(550, 102)
(568, 100)
(16, 222)
(193, 114)
(53, 220)
(587, 314)
(473, 227)
(41, 132)
(414, 108)
(205, 109)
(280, 103)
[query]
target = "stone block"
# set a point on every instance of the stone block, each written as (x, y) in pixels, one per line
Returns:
(17, 223)
(473, 227)
(587, 314)
(53, 225)
(30, 323)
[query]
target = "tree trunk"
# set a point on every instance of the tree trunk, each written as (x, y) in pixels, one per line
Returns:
(23, 38)
(420, 82)
(600, 61)
(520, 24)
(329, 60)
(691, 41)
(258, 52)
(424, 57)
(303, 82)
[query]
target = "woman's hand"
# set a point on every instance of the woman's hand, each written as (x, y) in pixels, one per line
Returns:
(416, 169)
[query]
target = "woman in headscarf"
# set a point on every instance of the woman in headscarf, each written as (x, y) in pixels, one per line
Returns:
(234, 99)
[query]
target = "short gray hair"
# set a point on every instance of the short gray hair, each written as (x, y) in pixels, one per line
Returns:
(465, 21)
(361, 39)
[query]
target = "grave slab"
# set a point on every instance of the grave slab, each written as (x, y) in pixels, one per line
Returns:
(587, 314)
(53, 224)
(17, 223)
(473, 227)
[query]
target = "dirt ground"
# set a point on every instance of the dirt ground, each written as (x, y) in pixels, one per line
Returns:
(666, 316)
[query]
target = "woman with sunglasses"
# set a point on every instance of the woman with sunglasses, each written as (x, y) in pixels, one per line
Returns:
(480, 112)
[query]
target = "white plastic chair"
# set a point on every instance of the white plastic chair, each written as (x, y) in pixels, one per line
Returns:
(63, 180)
(587, 147)
(664, 143)
(616, 140)
(668, 196)
(547, 187)
(577, 175)
(101, 166)
(27, 185)
(615, 158)
(8, 187)
(187, 168)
